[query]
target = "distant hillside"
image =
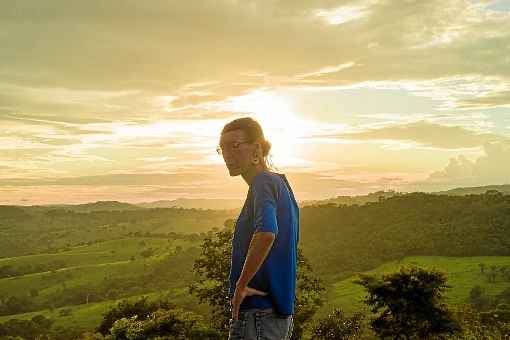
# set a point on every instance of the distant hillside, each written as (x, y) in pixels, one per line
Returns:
(87, 207)
(341, 240)
(376, 196)
(463, 274)
(235, 205)
(31, 230)
(349, 200)
(57, 260)
(188, 203)
(504, 188)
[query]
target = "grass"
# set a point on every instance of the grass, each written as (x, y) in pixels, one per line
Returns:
(463, 274)
(87, 266)
(86, 317)
(101, 252)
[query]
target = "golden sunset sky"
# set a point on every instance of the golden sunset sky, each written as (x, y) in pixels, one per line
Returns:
(125, 100)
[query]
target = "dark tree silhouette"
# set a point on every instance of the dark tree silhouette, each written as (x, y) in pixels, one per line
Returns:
(408, 303)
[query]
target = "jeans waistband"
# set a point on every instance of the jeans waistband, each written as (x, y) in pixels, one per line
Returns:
(270, 309)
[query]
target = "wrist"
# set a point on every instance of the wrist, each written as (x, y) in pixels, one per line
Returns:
(241, 284)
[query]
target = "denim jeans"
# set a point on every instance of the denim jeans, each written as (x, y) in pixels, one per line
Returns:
(261, 324)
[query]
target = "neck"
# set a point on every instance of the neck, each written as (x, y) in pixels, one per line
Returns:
(252, 172)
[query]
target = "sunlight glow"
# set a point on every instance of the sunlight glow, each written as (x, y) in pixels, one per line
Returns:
(281, 125)
(341, 14)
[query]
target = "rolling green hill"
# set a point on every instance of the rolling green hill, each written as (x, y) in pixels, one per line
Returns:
(463, 274)
(82, 262)
(85, 317)
(25, 231)
(343, 240)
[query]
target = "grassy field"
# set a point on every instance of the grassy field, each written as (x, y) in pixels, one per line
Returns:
(101, 252)
(463, 274)
(89, 265)
(86, 317)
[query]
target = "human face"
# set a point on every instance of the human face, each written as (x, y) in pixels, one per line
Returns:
(237, 152)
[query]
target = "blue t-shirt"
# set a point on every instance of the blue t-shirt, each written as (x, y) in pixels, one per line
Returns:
(270, 206)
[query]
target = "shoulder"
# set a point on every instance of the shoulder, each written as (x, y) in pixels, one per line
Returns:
(266, 179)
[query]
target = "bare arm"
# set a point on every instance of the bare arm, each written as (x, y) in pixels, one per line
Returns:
(260, 245)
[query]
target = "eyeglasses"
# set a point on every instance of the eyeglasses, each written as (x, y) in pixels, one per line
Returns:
(231, 146)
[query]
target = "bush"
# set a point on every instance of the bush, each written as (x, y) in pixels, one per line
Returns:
(336, 326)
(163, 324)
(141, 308)
(409, 304)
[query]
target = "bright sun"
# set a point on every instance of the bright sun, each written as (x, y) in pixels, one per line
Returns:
(281, 126)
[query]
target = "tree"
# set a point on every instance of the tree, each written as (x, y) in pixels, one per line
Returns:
(211, 286)
(478, 298)
(336, 326)
(140, 308)
(409, 301)
(163, 324)
(493, 273)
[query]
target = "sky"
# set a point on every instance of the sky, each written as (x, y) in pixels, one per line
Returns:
(125, 100)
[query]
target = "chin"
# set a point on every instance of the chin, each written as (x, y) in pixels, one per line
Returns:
(234, 172)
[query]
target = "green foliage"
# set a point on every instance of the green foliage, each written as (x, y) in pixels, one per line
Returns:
(478, 298)
(212, 269)
(341, 241)
(409, 304)
(162, 324)
(31, 230)
(336, 326)
(26, 329)
(141, 309)
(463, 274)
(309, 295)
(211, 286)
(475, 326)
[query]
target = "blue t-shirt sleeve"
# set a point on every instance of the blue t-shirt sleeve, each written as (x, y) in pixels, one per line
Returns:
(264, 205)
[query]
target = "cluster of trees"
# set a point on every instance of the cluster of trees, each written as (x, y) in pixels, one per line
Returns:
(161, 319)
(405, 305)
(33, 230)
(493, 271)
(341, 241)
(170, 272)
(37, 327)
(338, 241)
(15, 304)
(481, 301)
(9, 270)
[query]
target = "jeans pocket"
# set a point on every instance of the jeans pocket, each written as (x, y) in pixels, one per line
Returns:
(237, 329)
(274, 326)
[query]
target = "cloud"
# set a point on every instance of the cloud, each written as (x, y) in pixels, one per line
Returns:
(199, 182)
(485, 170)
(424, 133)
(101, 48)
(342, 14)
(495, 99)
(98, 86)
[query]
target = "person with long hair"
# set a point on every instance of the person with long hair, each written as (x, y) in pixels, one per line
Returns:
(262, 278)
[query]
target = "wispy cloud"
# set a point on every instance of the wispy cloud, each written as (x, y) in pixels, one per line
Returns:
(426, 134)
(146, 88)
